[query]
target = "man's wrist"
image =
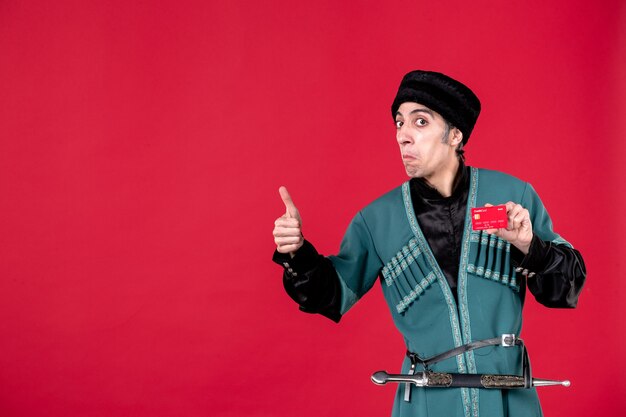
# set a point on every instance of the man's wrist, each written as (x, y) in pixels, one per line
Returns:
(303, 259)
(534, 260)
(524, 247)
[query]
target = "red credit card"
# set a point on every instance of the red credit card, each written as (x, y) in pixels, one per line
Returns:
(489, 217)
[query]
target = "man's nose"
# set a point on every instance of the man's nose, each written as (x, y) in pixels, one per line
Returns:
(402, 136)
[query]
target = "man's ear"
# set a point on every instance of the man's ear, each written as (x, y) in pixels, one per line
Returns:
(457, 137)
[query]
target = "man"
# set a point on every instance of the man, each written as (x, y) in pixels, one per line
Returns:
(446, 285)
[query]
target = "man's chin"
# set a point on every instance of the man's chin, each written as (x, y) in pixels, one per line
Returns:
(413, 173)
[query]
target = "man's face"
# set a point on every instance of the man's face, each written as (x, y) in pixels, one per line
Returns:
(424, 139)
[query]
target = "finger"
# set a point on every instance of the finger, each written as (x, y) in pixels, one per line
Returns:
(290, 240)
(290, 207)
(511, 226)
(488, 205)
(527, 223)
(512, 208)
(287, 231)
(287, 222)
(521, 214)
(288, 248)
(510, 213)
(513, 216)
(518, 214)
(521, 218)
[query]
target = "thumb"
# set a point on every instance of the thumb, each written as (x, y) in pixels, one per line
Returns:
(290, 208)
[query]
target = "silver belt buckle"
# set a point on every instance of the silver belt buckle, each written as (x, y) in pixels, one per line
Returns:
(508, 340)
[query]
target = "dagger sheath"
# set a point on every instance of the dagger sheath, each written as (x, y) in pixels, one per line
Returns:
(452, 380)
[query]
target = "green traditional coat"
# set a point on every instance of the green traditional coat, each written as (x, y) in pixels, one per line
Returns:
(384, 239)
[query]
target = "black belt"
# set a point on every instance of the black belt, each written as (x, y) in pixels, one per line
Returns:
(506, 340)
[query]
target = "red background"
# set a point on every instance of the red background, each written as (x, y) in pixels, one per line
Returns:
(142, 147)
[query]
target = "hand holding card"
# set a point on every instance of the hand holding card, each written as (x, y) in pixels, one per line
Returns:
(493, 217)
(509, 221)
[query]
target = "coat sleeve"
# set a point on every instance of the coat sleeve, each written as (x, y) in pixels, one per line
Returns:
(311, 281)
(555, 270)
(357, 263)
(331, 285)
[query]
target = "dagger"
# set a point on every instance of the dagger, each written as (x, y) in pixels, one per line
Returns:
(451, 380)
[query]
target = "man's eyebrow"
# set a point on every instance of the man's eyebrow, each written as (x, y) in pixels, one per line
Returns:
(418, 110)
(422, 110)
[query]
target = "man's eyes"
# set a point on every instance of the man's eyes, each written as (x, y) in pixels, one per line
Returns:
(419, 122)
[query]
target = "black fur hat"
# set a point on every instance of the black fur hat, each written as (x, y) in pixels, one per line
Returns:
(454, 101)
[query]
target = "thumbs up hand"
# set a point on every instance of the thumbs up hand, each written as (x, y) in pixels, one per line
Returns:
(288, 227)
